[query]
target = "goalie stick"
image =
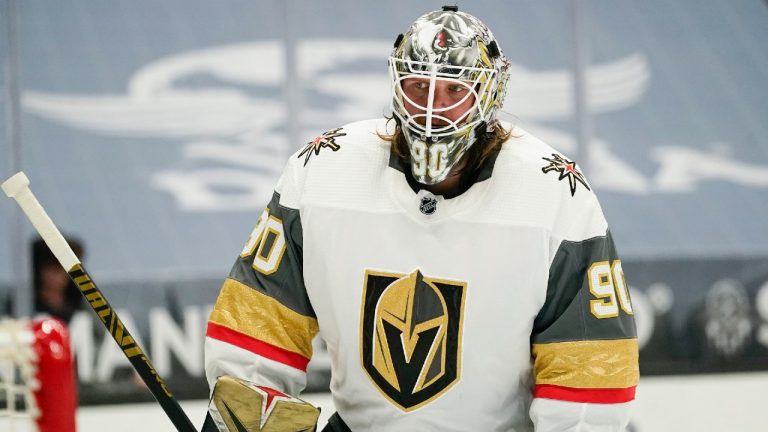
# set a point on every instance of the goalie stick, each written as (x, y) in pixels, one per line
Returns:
(17, 187)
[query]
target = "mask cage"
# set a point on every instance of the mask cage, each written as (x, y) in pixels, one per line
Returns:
(479, 81)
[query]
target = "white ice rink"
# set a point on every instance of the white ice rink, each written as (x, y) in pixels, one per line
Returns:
(734, 402)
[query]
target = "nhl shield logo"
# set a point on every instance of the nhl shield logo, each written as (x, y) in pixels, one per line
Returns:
(428, 205)
(411, 335)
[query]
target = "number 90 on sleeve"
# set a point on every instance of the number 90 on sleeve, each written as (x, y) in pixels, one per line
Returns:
(608, 286)
(266, 243)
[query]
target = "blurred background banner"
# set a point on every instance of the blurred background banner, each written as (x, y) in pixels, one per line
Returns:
(154, 132)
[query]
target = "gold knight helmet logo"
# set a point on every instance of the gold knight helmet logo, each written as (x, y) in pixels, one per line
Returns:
(411, 335)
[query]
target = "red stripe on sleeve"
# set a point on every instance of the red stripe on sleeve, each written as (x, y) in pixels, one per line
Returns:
(272, 352)
(591, 395)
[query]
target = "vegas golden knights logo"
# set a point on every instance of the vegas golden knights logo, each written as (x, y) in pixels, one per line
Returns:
(411, 335)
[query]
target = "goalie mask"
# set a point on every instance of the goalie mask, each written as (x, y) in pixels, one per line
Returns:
(449, 78)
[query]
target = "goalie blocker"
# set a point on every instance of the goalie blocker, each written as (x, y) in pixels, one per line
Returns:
(242, 406)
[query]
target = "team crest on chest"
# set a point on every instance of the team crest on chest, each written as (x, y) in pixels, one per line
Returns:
(328, 139)
(566, 169)
(411, 329)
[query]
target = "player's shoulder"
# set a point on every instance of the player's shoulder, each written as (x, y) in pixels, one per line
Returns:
(341, 144)
(534, 184)
(542, 167)
(523, 147)
(345, 163)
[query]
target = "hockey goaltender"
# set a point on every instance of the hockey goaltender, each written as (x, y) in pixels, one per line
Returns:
(460, 270)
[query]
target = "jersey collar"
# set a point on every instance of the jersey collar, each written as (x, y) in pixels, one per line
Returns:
(417, 202)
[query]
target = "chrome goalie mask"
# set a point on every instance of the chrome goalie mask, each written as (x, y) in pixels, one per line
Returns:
(445, 52)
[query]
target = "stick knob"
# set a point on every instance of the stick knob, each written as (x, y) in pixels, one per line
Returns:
(15, 184)
(17, 187)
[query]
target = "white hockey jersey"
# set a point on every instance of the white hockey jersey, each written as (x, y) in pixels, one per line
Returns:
(502, 309)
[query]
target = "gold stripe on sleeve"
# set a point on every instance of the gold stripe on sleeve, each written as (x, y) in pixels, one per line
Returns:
(587, 364)
(248, 311)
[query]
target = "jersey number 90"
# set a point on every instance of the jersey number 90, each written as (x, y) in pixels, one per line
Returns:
(432, 158)
(266, 244)
(607, 284)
